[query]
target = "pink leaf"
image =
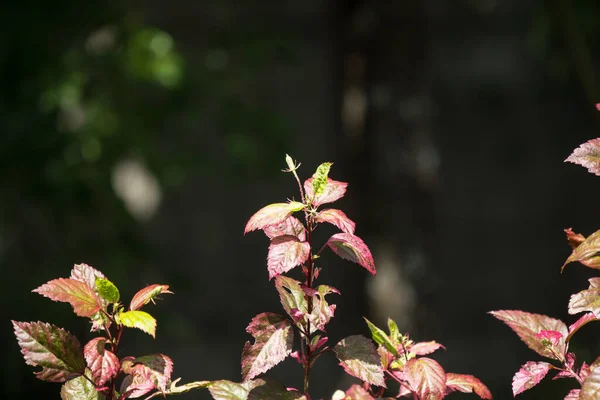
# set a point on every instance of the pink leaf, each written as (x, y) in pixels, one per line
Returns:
(426, 378)
(586, 300)
(529, 375)
(424, 348)
(528, 325)
(590, 390)
(587, 155)
(103, 363)
(146, 295)
(553, 337)
(57, 351)
(83, 299)
(274, 339)
(573, 394)
(334, 190)
(322, 311)
(145, 374)
(587, 252)
(337, 218)
(272, 214)
(356, 392)
(291, 226)
(569, 362)
(359, 358)
(467, 384)
(589, 317)
(285, 253)
(351, 247)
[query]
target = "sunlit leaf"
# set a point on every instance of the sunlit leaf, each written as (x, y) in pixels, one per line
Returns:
(88, 275)
(359, 358)
(291, 226)
(82, 298)
(426, 378)
(467, 384)
(273, 342)
(587, 300)
(337, 218)
(334, 190)
(107, 290)
(103, 364)
(319, 178)
(351, 247)
(227, 390)
(80, 388)
(590, 390)
(57, 351)
(285, 253)
(174, 388)
(587, 155)
(587, 252)
(380, 337)
(530, 374)
(424, 348)
(146, 374)
(356, 392)
(322, 312)
(138, 319)
(574, 394)
(528, 325)
(146, 295)
(272, 214)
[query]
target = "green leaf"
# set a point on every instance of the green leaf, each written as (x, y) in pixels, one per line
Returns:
(82, 298)
(320, 178)
(57, 351)
(227, 390)
(426, 378)
(80, 388)
(394, 331)
(138, 319)
(274, 339)
(380, 337)
(359, 358)
(107, 290)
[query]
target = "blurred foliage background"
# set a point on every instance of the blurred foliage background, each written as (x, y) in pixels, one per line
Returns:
(138, 137)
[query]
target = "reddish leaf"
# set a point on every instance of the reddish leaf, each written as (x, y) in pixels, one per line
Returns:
(272, 214)
(274, 339)
(285, 253)
(590, 390)
(83, 299)
(227, 390)
(573, 394)
(334, 190)
(574, 239)
(529, 375)
(467, 384)
(587, 252)
(351, 247)
(337, 218)
(146, 295)
(103, 364)
(528, 325)
(567, 373)
(426, 378)
(586, 300)
(587, 155)
(553, 337)
(291, 226)
(424, 348)
(80, 388)
(57, 351)
(589, 317)
(147, 373)
(359, 358)
(138, 319)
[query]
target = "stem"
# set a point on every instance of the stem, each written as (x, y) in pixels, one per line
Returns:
(307, 338)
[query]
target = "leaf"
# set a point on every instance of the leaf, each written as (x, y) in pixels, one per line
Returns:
(319, 178)
(337, 218)
(146, 295)
(227, 390)
(586, 300)
(528, 325)
(380, 337)
(80, 388)
(291, 295)
(285, 253)
(530, 374)
(574, 239)
(273, 390)
(138, 319)
(274, 339)
(587, 155)
(589, 317)
(291, 226)
(146, 374)
(467, 384)
(552, 337)
(272, 214)
(82, 298)
(590, 390)
(586, 252)
(107, 290)
(57, 351)
(174, 389)
(322, 312)
(426, 378)
(359, 358)
(356, 392)
(334, 190)
(351, 247)
(573, 394)
(424, 348)
(103, 364)
(86, 274)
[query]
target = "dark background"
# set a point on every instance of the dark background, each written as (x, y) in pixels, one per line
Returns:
(140, 137)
